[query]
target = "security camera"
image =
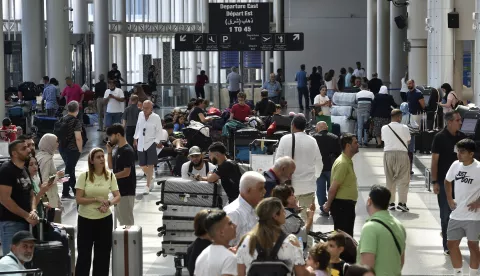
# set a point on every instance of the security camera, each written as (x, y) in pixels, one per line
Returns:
(67, 8)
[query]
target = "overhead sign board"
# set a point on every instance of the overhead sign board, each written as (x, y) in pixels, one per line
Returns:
(246, 42)
(239, 18)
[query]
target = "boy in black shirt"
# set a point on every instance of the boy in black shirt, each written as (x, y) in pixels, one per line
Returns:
(227, 171)
(336, 245)
(122, 162)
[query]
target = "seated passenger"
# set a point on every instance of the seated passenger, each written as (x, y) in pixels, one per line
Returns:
(203, 240)
(265, 107)
(171, 145)
(8, 131)
(294, 224)
(241, 110)
(196, 168)
(179, 123)
(23, 246)
(198, 113)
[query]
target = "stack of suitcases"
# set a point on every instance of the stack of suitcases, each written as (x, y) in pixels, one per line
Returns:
(181, 200)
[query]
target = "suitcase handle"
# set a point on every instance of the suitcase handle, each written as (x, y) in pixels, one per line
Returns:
(34, 271)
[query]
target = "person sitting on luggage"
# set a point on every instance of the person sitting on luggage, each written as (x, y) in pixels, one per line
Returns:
(319, 259)
(23, 246)
(265, 107)
(8, 132)
(294, 224)
(241, 110)
(282, 171)
(198, 113)
(217, 259)
(196, 168)
(266, 233)
(203, 240)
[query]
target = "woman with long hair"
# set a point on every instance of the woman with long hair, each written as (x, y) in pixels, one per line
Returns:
(47, 146)
(271, 217)
(95, 220)
(450, 98)
(39, 188)
(331, 83)
(138, 90)
(323, 104)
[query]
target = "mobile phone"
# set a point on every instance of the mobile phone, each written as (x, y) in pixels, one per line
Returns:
(52, 178)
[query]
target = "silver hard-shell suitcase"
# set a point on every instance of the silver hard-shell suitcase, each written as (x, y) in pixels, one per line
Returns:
(177, 223)
(180, 211)
(184, 236)
(127, 251)
(173, 248)
(177, 191)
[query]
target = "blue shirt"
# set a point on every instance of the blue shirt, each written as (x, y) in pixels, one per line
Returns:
(413, 98)
(301, 78)
(348, 77)
(50, 96)
(178, 127)
(272, 88)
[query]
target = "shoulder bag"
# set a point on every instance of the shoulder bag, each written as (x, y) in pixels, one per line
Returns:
(391, 232)
(400, 139)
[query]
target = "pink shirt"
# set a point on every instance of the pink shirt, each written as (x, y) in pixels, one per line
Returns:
(73, 93)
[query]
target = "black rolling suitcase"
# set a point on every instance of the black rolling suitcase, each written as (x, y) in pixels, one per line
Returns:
(426, 137)
(242, 139)
(283, 122)
(336, 129)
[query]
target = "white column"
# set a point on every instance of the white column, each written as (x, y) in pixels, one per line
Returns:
(180, 14)
(267, 66)
(31, 50)
(2, 68)
(166, 11)
(458, 69)
(277, 17)
(192, 56)
(205, 55)
(440, 43)
(475, 57)
(383, 40)
(416, 34)
(371, 37)
(101, 38)
(122, 38)
(80, 16)
(57, 25)
(397, 55)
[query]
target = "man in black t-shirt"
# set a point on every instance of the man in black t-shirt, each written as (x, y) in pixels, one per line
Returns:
(265, 107)
(227, 171)
(115, 75)
(122, 162)
(444, 153)
(17, 200)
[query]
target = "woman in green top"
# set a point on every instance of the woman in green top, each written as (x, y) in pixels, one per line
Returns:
(39, 188)
(95, 220)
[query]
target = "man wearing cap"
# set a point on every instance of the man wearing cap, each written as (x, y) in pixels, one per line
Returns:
(196, 168)
(23, 245)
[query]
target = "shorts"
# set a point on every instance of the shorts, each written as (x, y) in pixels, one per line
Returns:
(148, 157)
(457, 229)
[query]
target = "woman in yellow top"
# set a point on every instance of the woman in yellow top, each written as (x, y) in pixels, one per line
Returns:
(95, 220)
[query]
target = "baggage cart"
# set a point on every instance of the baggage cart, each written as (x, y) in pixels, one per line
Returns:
(262, 154)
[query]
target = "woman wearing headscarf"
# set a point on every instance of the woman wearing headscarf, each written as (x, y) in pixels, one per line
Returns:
(47, 147)
(381, 107)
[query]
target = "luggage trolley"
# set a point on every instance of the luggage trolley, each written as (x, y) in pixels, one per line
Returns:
(262, 154)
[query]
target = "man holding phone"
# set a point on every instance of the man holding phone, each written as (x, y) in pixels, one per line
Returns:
(196, 168)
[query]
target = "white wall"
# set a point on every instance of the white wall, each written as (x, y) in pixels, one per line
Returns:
(335, 34)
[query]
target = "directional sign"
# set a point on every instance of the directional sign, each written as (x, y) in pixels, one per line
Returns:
(239, 18)
(245, 42)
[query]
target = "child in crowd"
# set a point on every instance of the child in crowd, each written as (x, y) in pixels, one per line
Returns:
(319, 259)
(8, 131)
(278, 109)
(336, 244)
(179, 124)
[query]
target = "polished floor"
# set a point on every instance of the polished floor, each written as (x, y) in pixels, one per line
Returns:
(424, 255)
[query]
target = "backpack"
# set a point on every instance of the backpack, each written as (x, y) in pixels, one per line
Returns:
(60, 130)
(190, 167)
(242, 168)
(29, 90)
(269, 265)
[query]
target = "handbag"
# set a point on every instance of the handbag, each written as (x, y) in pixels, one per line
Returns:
(400, 139)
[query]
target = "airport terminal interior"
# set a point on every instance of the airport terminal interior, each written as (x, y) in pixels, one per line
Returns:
(433, 42)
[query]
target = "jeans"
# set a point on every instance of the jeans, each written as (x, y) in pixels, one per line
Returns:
(361, 120)
(323, 185)
(275, 99)
(444, 212)
(343, 214)
(113, 118)
(200, 92)
(303, 92)
(101, 112)
(70, 158)
(96, 234)
(233, 96)
(330, 93)
(7, 230)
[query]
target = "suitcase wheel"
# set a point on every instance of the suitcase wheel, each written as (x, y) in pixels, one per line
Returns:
(161, 233)
(161, 252)
(163, 207)
(161, 228)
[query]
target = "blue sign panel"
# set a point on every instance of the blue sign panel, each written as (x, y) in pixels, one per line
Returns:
(229, 59)
(252, 59)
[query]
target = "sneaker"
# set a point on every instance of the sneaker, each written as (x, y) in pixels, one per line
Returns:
(446, 252)
(324, 214)
(67, 197)
(403, 207)
(146, 191)
(391, 206)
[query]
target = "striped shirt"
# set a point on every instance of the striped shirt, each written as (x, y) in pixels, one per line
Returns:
(364, 100)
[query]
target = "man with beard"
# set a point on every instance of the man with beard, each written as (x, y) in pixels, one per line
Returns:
(122, 162)
(196, 168)
(227, 171)
(23, 246)
(416, 102)
(30, 143)
(17, 200)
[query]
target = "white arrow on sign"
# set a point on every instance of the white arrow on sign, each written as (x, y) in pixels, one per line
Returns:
(183, 38)
(296, 37)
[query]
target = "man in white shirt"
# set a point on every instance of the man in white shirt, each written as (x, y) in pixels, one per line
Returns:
(216, 259)
(308, 161)
(196, 167)
(465, 218)
(242, 210)
(148, 136)
(234, 80)
(23, 246)
(396, 162)
(115, 100)
(359, 72)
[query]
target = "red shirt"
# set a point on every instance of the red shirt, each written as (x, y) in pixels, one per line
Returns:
(73, 93)
(201, 80)
(9, 137)
(240, 112)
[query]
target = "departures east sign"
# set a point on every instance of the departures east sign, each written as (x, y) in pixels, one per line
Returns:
(239, 18)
